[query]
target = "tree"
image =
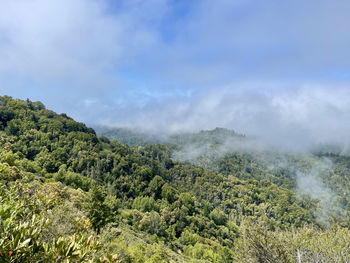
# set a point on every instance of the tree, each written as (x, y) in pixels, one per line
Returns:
(98, 211)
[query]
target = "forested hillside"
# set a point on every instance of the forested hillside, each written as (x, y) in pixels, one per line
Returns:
(324, 174)
(321, 173)
(129, 136)
(68, 195)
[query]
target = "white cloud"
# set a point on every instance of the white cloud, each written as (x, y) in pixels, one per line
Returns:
(239, 64)
(293, 119)
(60, 48)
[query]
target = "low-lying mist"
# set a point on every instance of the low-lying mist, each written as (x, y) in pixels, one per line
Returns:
(310, 178)
(295, 118)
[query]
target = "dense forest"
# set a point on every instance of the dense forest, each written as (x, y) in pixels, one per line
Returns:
(68, 195)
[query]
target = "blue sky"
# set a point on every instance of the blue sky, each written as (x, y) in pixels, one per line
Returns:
(280, 69)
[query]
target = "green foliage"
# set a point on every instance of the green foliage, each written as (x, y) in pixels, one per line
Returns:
(187, 200)
(127, 136)
(73, 179)
(258, 244)
(169, 193)
(98, 211)
(218, 216)
(145, 204)
(69, 196)
(207, 253)
(20, 228)
(155, 186)
(25, 225)
(9, 173)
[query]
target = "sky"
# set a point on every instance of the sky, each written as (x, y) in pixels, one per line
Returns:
(275, 69)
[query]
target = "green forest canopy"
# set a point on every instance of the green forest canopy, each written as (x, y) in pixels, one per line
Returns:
(68, 195)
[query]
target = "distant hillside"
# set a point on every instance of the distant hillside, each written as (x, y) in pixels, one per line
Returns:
(323, 173)
(132, 137)
(128, 136)
(217, 136)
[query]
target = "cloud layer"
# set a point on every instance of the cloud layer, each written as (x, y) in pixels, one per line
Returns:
(279, 70)
(290, 118)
